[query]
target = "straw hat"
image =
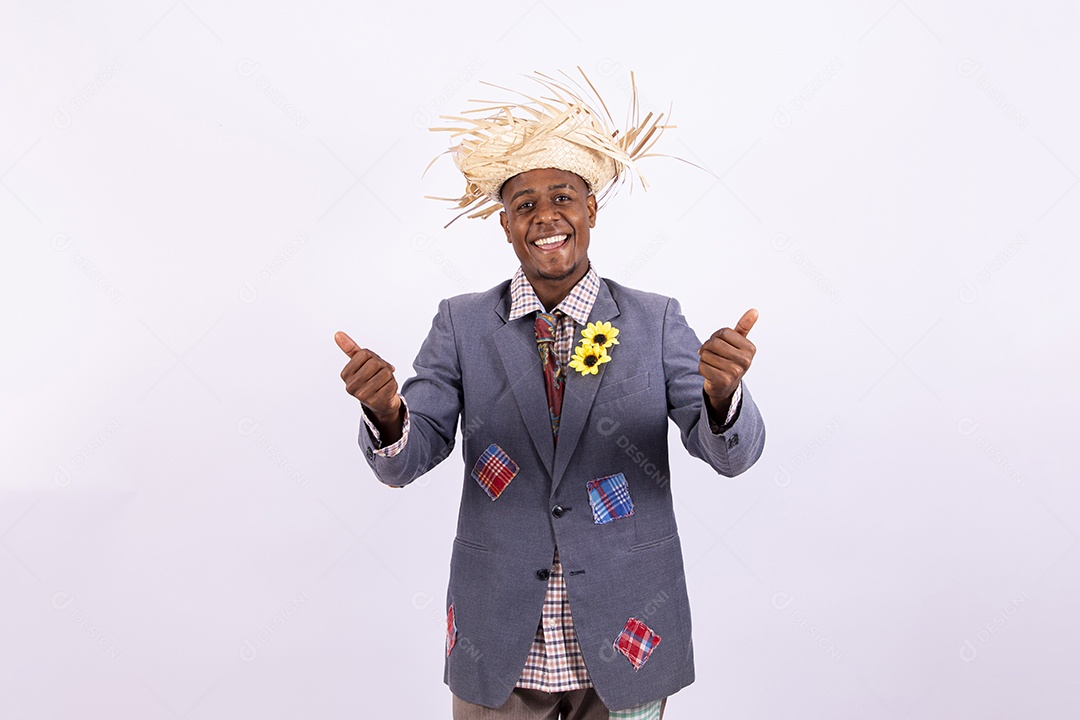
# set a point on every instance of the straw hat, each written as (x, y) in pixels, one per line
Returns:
(560, 131)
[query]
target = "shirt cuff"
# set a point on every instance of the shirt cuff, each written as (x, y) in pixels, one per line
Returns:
(732, 412)
(390, 450)
(733, 408)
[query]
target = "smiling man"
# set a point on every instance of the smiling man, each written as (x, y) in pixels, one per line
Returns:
(567, 595)
(548, 216)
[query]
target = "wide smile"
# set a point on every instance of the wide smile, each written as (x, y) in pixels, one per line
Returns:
(551, 243)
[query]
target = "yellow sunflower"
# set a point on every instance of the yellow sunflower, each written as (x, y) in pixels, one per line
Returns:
(601, 333)
(588, 357)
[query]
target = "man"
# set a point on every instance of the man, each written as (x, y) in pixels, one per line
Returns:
(566, 577)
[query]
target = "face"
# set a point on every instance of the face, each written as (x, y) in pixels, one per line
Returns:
(547, 215)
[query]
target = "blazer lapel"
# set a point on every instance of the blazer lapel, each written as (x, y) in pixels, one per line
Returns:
(579, 392)
(516, 343)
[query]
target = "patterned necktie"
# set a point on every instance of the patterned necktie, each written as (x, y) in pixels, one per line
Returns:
(553, 372)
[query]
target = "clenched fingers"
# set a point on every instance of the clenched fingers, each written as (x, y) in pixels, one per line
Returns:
(726, 356)
(368, 377)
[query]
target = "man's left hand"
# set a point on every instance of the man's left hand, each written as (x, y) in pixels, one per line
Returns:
(725, 358)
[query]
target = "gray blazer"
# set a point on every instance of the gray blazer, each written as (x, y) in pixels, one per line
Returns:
(476, 365)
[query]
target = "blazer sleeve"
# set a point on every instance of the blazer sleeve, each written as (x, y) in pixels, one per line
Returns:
(730, 452)
(434, 399)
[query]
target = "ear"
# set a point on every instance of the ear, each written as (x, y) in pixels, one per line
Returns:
(590, 207)
(505, 225)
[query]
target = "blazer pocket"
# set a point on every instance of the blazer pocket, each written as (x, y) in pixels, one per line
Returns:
(470, 544)
(653, 543)
(623, 388)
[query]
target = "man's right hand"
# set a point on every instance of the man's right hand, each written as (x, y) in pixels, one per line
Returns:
(370, 379)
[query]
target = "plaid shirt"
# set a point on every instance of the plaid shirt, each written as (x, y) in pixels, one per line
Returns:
(575, 307)
(555, 663)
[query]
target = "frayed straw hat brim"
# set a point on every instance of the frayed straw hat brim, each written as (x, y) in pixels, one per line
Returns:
(558, 129)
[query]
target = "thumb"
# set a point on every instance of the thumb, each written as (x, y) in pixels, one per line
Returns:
(346, 343)
(746, 322)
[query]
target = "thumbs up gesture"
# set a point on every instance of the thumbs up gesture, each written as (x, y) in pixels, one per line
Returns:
(725, 358)
(370, 379)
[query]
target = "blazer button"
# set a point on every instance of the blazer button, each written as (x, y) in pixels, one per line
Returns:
(543, 574)
(370, 454)
(558, 511)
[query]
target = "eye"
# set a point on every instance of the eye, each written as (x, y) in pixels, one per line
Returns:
(527, 205)
(562, 198)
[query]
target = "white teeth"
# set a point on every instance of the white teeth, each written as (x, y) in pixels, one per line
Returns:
(551, 240)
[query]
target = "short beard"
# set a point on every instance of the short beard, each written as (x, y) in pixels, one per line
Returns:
(556, 278)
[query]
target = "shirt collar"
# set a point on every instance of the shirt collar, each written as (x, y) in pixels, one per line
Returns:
(578, 303)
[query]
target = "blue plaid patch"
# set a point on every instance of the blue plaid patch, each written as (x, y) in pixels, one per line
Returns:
(610, 498)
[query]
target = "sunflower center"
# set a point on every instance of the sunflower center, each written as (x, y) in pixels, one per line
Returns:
(599, 339)
(590, 360)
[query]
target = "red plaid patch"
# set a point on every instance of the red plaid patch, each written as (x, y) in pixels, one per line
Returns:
(636, 642)
(451, 630)
(494, 471)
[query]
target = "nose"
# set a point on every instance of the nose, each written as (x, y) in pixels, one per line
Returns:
(546, 212)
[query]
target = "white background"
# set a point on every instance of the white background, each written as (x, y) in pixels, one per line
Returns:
(196, 197)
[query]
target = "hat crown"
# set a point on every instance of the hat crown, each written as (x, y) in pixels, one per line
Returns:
(561, 132)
